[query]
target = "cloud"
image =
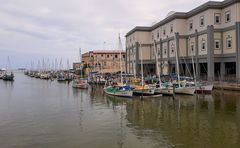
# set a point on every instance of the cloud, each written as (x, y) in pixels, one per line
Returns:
(59, 28)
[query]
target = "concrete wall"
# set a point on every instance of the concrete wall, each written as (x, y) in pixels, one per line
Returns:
(200, 39)
(172, 48)
(231, 34)
(182, 48)
(164, 50)
(145, 53)
(218, 36)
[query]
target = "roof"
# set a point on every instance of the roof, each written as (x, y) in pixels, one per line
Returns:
(108, 51)
(185, 15)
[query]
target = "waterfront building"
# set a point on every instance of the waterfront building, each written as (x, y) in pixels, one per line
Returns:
(209, 33)
(103, 61)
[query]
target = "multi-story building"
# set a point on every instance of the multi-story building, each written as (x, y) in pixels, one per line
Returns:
(104, 61)
(208, 34)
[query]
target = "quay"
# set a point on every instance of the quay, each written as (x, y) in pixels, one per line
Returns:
(227, 86)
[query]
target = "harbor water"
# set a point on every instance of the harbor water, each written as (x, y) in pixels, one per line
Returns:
(47, 114)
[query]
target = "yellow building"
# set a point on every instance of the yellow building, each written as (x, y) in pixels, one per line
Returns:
(104, 61)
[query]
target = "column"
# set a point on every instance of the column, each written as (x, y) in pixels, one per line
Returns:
(161, 61)
(210, 53)
(137, 58)
(177, 50)
(222, 70)
(238, 51)
(196, 55)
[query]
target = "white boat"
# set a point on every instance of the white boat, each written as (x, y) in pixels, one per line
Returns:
(204, 88)
(81, 83)
(185, 90)
(164, 91)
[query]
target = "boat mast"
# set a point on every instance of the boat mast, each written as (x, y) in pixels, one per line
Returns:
(120, 49)
(156, 56)
(194, 72)
(176, 54)
(80, 59)
(141, 63)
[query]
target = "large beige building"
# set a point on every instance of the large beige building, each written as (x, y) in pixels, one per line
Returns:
(104, 61)
(210, 32)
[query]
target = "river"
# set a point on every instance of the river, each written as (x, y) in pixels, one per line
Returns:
(46, 114)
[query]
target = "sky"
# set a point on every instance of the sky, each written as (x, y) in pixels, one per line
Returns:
(33, 30)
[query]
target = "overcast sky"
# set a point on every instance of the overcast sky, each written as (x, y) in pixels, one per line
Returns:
(50, 29)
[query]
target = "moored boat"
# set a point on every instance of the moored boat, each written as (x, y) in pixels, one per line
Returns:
(120, 91)
(8, 77)
(80, 83)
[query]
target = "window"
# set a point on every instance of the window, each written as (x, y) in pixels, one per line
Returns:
(192, 47)
(227, 16)
(107, 56)
(190, 25)
(102, 55)
(165, 51)
(217, 44)
(201, 21)
(229, 42)
(217, 18)
(158, 35)
(172, 48)
(152, 36)
(171, 29)
(123, 56)
(203, 44)
(164, 31)
(116, 56)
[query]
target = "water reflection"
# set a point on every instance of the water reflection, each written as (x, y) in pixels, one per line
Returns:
(38, 113)
(187, 121)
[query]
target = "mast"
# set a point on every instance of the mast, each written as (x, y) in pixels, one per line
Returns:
(120, 48)
(176, 54)
(80, 59)
(141, 64)
(194, 72)
(158, 70)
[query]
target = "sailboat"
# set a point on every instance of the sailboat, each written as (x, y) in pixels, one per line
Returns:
(200, 87)
(142, 89)
(161, 88)
(182, 89)
(118, 89)
(8, 75)
(81, 83)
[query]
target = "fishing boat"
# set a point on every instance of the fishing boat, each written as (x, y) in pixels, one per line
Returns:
(60, 77)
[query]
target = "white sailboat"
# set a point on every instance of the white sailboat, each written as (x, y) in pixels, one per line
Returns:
(182, 89)
(161, 89)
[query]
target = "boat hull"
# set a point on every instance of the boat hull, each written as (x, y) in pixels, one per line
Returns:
(164, 91)
(149, 91)
(125, 93)
(81, 86)
(204, 89)
(185, 90)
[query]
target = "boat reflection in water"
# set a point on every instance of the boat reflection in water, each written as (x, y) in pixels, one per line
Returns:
(186, 121)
